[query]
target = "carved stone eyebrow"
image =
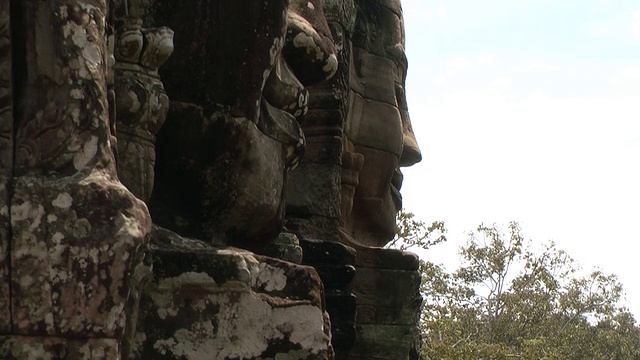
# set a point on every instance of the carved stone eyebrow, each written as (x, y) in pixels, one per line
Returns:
(392, 5)
(397, 54)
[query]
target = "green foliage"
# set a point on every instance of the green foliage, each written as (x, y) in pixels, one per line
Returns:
(507, 301)
(415, 233)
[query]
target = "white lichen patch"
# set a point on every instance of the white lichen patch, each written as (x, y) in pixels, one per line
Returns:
(33, 350)
(200, 280)
(331, 66)
(246, 326)
(163, 298)
(57, 247)
(26, 281)
(306, 324)
(76, 94)
(57, 237)
(303, 40)
(31, 246)
(78, 34)
(63, 201)
(116, 317)
(271, 278)
(81, 228)
(75, 115)
(310, 5)
(48, 320)
(27, 211)
(92, 54)
(86, 154)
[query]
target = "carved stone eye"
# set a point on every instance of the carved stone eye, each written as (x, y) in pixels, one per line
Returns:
(401, 100)
(360, 67)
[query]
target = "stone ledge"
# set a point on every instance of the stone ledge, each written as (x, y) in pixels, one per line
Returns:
(57, 348)
(208, 301)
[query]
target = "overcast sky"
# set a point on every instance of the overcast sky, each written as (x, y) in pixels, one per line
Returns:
(529, 110)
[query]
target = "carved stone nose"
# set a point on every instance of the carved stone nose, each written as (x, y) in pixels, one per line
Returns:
(410, 152)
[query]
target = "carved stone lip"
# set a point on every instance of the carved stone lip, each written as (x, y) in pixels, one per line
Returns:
(395, 186)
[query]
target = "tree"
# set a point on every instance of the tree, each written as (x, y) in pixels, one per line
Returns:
(507, 301)
(411, 232)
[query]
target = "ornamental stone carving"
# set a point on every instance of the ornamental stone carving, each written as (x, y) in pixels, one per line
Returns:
(204, 179)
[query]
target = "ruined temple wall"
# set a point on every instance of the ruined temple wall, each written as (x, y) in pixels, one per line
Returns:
(71, 254)
(6, 159)
(76, 233)
(314, 205)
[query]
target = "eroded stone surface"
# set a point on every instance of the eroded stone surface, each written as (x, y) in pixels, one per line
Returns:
(215, 173)
(245, 76)
(140, 100)
(377, 126)
(226, 303)
(232, 130)
(314, 206)
(364, 106)
(77, 234)
(6, 160)
(16, 347)
(75, 242)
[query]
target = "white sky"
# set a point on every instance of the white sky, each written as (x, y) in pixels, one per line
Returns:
(528, 110)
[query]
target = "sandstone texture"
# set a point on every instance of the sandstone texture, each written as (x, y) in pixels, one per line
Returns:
(204, 180)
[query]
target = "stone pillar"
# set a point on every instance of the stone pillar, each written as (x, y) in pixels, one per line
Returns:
(378, 140)
(140, 100)
(6, 162)
(230, 136)
(387, 286)
(78, 236)
(314, 188)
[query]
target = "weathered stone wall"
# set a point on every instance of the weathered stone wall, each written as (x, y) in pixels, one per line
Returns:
(83, 272)
(76, 233)
(231, 304)
(6, 162)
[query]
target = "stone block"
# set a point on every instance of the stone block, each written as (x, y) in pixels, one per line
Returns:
(312, 190)
(379, 258)
(384, 342)
(386, 288)
(227, 303)
(315, 227)
(6, 159)
(57, 348)
(76, 241)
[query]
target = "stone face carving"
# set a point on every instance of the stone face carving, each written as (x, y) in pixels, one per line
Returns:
(223, 154)
(246, 79)
(231, 137)
(358, 135)
(378, 126)
(378, 141)
(215, 165)
(313, 193)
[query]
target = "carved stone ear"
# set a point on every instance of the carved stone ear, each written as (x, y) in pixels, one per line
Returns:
(129, 40)
(284, 91)
(309, 48)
